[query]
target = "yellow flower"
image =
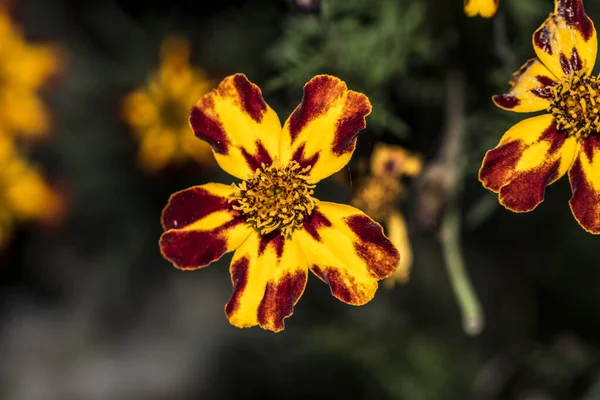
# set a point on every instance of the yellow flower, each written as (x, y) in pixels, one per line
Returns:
(379, 195)
(277, 228)
(484, 8)
(24, 68)
(158, 113)
(24, 195)
(539, 150)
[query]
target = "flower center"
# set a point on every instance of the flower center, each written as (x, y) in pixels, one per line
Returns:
(276, 197)
(174, 114)
(378, 196)
(576, 105)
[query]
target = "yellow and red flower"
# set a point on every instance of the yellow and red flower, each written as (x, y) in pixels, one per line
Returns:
(277, 228)
(24, 69)
(158, 113)
(538, 151)
(484, 8)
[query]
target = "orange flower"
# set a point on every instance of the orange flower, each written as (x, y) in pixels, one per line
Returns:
(158, 113)
(24, 68)
(271, 220)
(539, 150)
(484, 8)
(24, 195)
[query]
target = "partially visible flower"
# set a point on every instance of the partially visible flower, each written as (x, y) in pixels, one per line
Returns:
(484, 8)
(24, 194)
(379, 196)
(277, 228)
(539, 150)
(158, 113)
(24, 68)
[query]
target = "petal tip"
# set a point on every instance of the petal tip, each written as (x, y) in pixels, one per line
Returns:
(506, 101)
(589, 228)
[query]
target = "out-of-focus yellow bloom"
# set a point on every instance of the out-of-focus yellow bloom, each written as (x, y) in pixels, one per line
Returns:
(484, 8)
(380, 194)
(24, 194)
(24, 68)
(158, 113)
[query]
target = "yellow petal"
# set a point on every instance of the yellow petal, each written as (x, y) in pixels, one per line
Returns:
(321, 132)
(347, 250)
(157, 149)
(485, 8)
(23, 112)
(175, 52)
(268, 274)
(530, 89)
(30, 66)
(398, 234)
(530, 156)
(26, 194)
(140, 110)
(200, 226)
(566, 42)
(584, 176)
(394, 161)
(241, 128)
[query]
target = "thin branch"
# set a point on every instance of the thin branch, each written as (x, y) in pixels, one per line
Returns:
(439, 190)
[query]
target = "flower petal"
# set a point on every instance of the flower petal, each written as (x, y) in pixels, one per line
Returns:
(566, 41)
(347, 250)
(530, 156)
(200, 226)
(396, 229)
(24, 113)
(395, 161)
(269, 276)
(157, 148)
(485, 8)
(241, 128)
(584, 176)
(530, 89)
(321, 132)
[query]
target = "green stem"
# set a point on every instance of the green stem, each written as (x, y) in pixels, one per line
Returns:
(472, 313)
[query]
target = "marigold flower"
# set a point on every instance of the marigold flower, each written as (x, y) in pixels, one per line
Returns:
(277, 228)
(538, 151)
(380, 194)
(24, 68)
(158, 113)
(484, 8)
(24, 194)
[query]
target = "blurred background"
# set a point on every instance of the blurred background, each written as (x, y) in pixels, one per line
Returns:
(96, 140)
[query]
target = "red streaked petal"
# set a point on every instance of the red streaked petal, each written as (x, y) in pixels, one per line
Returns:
(321, 132)
(530, 156)
(242, 129)
(530, 89)
(566, 42)
(585, 185)
(200, 226)
(269, 275)
(347, 250)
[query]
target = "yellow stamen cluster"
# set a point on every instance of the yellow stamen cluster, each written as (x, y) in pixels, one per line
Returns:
(576, 105)
(276, 198)
(378, 196)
